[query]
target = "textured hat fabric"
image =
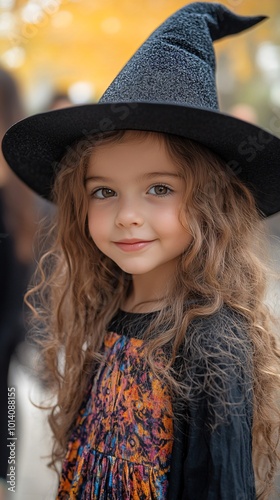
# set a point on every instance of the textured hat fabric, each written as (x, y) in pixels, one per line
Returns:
(167, 86)
(177, 62)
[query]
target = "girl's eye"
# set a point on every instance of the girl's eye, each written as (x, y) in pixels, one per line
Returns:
(102, 193)
(160, 190)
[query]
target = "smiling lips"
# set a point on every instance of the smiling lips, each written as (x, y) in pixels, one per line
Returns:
(132, 245)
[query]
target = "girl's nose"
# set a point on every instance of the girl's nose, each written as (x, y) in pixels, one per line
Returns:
(129, 214)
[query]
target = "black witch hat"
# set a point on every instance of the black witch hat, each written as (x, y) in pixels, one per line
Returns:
(167, 86)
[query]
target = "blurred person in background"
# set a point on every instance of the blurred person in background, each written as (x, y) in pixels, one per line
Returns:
(18, 224)
(59, 100)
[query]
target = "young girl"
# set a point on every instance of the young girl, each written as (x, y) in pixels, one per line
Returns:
(158, 344)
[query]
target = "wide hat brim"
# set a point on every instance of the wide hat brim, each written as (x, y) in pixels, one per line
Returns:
(34, 146)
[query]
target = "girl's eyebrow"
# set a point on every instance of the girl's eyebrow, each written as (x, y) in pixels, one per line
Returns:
(144, 176)
(97, 178)
(159, 174)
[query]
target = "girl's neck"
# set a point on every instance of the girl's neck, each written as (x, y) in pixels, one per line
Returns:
(148, 291)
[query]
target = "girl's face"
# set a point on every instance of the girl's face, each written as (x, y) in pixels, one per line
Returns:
(134, 199)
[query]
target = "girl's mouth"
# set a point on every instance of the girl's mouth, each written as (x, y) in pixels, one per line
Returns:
(133, 244)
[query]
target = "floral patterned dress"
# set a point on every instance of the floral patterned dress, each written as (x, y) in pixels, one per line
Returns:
(122, 441)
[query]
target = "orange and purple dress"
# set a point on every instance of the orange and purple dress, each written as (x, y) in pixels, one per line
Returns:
(121, 444)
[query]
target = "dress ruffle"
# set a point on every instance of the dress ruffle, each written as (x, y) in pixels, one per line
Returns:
(102, 477)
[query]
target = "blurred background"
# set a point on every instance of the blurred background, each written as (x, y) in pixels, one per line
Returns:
(78, 46)
(66, 52)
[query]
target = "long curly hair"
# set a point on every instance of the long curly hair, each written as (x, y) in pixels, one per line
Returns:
(78, 290)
